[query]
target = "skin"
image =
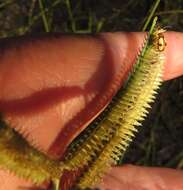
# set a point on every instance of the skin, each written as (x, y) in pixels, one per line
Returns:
(73, 67)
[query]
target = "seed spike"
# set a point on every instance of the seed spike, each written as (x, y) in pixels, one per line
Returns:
(144, 82)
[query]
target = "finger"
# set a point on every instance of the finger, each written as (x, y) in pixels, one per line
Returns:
(140, 178)
(57, 92)
(174, 57)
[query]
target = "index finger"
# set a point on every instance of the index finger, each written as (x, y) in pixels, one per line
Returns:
(174, 56)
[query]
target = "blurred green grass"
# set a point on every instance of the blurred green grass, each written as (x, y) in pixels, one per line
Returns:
(160, 140)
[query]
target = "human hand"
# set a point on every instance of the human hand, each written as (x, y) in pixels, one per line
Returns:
(57, 79)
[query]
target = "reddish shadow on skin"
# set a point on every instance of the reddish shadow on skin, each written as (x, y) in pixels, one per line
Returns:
(68, 179)
(39, 101)
(77, 124)
(107, 91)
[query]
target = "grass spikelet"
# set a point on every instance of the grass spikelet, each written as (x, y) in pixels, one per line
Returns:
(90, 148)
(20, 158)
(130, 108)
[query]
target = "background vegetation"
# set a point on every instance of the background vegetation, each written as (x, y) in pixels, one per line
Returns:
(160, 140)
